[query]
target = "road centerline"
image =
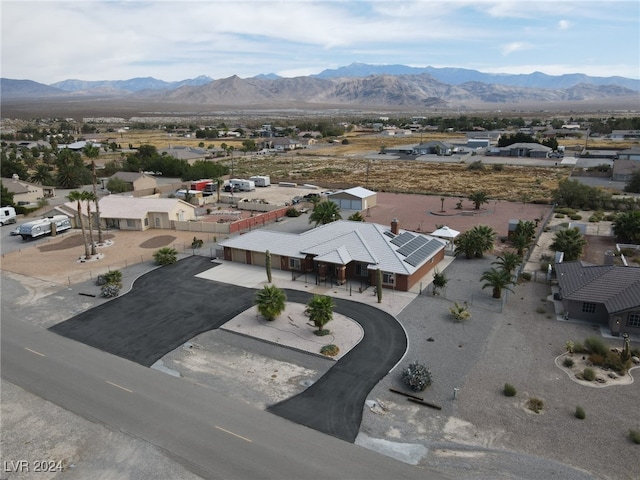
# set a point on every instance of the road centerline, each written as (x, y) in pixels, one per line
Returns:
(234, 434)
(119, 386)
(33, 351)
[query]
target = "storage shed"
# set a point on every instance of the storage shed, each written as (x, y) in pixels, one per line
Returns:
(357, 198)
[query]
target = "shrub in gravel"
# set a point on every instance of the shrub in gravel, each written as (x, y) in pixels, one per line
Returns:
(535, 404)
(330, 350)
(509, 390)
(101, 280)
(559, 215)
(596, 359)
(596, 345)
(578, 348)
(580, 414)
(417, 376)
(568, 362)
(110, 290)
(541, 310)
(589, 374)
(575, 217)
(634, 436)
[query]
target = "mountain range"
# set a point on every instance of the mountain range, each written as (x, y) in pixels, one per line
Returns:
(356, 84)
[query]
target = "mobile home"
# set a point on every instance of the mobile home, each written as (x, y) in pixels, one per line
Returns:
(7, 215)
(44, 226)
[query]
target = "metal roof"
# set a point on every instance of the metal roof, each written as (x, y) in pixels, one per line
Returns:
(617, 287)
(359, 192)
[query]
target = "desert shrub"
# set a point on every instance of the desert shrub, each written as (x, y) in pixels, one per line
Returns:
(197, 243)
(568, 362)
(634, 436)
(292, 212)
(166, 256)
(535, 404)
(589, 374)
(559, 215)
(322, 333)
(525, 276)
(509, 390)
(614, 361)
(101, 280)
(476, 166)
(580, 414)
(541, 310)
(564, 224)
(330, 350)
(565, 210)
(417, 376)
(497, 167)
(112, 277)
(110, 290)
(610, 217)
(578, 348)
(597, 359)
(575, 217)
(596, 345)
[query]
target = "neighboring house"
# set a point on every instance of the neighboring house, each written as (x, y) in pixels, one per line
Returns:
(129, 213)
(627, 163)
(137, 181)
(343, 250)
(79, 145)
(357, 198)
(25, 193)
(190, 154)
(432, 148)
(625, 135)
(281, 144)
(604, 294)
(533, 150)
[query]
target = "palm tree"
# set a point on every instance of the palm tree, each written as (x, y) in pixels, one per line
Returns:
(478, 198)
(356, 217)
(165, 256)
(460, 312)
(325, 212)
(570, 241)
(320, 311)
(466, 243)
(521, 241)
(498, 279)
(41, 175)
(527, 228)
(485, 237)
(219, 183)
(439, 281)
(270, 301)
(508, 261)
(77, 196)
(90, 197)
(95, 194)
(626, 226)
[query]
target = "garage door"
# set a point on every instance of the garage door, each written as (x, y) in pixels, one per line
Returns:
(238, 255)
(348, 204)
(259, 258)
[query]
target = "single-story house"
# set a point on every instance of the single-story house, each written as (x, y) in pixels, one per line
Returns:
(604, 294)
(625, 135)
(356, 198)
(26, 193)
(190, 154)
(343, 250)
(130, 213)
(533, 150)
(281, 144)
(627, 163)
(432, 148)
(136, 180)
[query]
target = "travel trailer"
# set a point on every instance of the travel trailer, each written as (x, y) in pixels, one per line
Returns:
(242, 185)
(261, 180)
(7, 215)
(44, 226)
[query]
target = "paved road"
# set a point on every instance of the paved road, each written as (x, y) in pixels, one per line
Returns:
(169, 306)
(213, 436)
(334, 403)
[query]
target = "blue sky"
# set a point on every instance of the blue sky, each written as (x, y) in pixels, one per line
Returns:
(48, 41)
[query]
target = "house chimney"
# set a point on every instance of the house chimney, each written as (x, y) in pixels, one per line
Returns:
(394, 226)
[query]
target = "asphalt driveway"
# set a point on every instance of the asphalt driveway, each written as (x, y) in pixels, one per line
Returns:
(170, 305)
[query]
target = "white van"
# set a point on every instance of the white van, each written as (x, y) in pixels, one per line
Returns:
(7, 215)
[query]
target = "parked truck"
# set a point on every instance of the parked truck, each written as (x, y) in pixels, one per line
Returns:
(242, 185)
(261, 180)
(44, 226)
(7, 215)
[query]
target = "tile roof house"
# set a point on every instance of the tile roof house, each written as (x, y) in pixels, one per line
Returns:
(533, 150)
(130, 213)
(626, 164)
(343, 250)
(136, 180)
(604, 294)
(26, 193)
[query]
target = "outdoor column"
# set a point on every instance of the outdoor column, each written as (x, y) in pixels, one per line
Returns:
(342, 274)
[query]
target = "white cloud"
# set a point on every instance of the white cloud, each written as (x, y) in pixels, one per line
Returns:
(564, 25)
(514, 47)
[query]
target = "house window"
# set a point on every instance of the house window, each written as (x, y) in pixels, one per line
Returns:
(633, 320)
(388, 278)
(146, 222)
(131, 223)
(294, 264)
(157, 220)
(588, 307)
(362, 270)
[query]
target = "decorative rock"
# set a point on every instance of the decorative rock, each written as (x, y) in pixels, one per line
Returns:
(612, 375)
(635, 360)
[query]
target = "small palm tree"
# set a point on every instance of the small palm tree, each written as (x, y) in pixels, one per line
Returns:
(166, 256)
(498, 279)
(508, 261)
(460, 312)
(439, 281)
(356, 217)
(320, 311)
(478, 198)
(270, 301)
(325, 212)
(571, 242)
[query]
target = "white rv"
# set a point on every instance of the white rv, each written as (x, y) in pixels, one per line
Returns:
(7, 215)
(242, 185)
(261, 180)
(43, 226)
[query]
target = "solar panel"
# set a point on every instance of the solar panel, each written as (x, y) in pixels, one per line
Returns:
(403, 238)
(421, 254)
(410, 247)
(389, 233)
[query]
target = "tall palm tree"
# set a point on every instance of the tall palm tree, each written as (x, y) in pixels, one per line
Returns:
(478, 198)
(527, 228)
(270, 301)
(41, 175)
(508, 261)
(570, 241)
(90, 197)
(77, 196)
(95, 194)
(325, 212)
(498, 279)
(320, 310)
